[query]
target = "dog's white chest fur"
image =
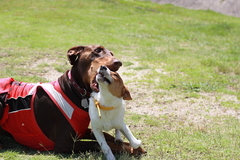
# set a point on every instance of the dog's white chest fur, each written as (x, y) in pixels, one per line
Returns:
(109, 118)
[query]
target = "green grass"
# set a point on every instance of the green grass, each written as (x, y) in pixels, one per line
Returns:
(171, 139)
(199, 50)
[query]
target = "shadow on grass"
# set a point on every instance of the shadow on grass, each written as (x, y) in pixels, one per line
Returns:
(13, 150)
(10, 145)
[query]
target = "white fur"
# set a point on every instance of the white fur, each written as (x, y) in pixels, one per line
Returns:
(109, 119)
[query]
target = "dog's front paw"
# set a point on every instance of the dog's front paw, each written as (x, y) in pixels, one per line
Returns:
(136, 144)
(138, 152)
(118, 141)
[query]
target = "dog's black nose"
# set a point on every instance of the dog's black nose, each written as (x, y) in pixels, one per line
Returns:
(117, 63)
(103, 68)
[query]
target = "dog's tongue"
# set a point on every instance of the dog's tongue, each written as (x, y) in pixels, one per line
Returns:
(94, 87)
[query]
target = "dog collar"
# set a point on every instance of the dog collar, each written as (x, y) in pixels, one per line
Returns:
(99, 106)
(82, 91)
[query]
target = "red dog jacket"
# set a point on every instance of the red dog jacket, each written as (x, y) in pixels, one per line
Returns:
(19, 118)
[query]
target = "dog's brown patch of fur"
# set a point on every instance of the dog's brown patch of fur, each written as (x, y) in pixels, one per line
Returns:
(117, 87)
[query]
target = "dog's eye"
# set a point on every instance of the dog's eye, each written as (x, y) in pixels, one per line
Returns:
(96, 55)
(98, 50)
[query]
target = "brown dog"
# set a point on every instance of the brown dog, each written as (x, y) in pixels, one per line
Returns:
(59, 126)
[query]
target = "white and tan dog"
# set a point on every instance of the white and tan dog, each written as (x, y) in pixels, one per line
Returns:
(107, 109)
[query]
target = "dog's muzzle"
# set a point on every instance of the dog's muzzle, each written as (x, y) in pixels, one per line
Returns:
(103, 75)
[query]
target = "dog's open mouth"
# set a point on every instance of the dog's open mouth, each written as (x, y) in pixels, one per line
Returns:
(94, 86)
(101, 77)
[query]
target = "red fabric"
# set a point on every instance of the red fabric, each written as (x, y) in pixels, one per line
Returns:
(19, 89)
(5, 85)
(25, 130)
(22, 123)
(80, 119)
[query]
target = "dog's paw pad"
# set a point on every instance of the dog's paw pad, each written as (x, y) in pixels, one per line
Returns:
(118, 141)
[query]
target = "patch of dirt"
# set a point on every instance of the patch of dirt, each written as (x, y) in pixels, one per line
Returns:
(156, 102)
(228, 7)
(48, 72)
(52, 75)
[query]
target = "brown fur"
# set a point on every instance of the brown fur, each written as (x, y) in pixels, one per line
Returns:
(117, 87)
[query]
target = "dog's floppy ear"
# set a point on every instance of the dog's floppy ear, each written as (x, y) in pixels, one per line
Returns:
(74, 53)
(126, 94)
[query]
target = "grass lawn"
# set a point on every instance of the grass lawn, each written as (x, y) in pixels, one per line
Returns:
(170, 55)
